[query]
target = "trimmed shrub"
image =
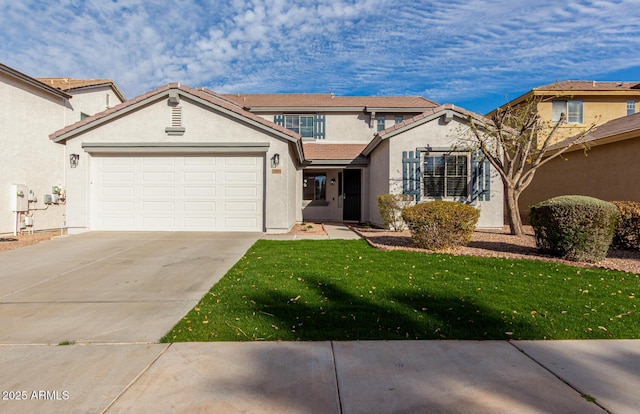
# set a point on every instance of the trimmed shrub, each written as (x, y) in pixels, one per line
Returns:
(576, 228)
(391, 206)
(438, 225)
(627, 234)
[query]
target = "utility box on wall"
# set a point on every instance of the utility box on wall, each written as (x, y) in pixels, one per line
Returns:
(19, 198)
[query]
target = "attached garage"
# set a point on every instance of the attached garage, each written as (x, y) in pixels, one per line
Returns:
(180, 159)
(177, 193)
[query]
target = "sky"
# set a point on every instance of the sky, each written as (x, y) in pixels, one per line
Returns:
(477, 54)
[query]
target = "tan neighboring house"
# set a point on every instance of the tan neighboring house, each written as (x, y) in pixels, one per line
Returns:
(32, 166)
(585, 103)
(609, 169)
(178, 158)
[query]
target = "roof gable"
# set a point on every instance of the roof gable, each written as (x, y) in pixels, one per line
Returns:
(206, 98)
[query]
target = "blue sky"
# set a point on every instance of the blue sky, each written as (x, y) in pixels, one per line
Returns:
(473, 53)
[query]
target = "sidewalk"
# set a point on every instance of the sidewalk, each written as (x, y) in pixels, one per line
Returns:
(326, 377)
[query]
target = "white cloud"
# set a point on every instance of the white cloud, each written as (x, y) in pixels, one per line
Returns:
(449, 51)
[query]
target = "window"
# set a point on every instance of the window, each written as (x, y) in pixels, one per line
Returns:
(84, 116)
(314, 186)
(399, 119)
(380, 123)
(446, 175)
(572, 109)
(308, 126)
(301, 124)
(631, 107)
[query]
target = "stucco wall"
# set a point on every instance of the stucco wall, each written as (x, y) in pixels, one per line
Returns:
(609, 172)
(379, 181)
(437, 134)
(596, 110)
(92, 101)
(203, 125)
(28, 116)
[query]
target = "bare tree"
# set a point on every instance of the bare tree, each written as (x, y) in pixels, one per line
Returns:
(517, 142)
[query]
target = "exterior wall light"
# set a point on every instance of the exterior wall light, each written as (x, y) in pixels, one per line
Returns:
(73, 160)
(275, 160)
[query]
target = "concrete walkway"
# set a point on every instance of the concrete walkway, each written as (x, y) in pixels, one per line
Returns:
(335, 231)
(324, 377)
(116, 294)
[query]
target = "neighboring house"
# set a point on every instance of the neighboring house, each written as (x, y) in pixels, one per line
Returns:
(31, 110)
(608, 170)
(178, 158)
(585, 103)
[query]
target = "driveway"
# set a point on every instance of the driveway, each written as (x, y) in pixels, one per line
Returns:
(110, 287)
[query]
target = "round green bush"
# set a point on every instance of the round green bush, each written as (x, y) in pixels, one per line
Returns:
(627, 235)
(577, 228)
(439, 225)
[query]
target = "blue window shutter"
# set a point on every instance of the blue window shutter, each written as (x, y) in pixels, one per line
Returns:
(480, 178)
(487, 180)
(411, 174)
(278, 120)
(318, 125)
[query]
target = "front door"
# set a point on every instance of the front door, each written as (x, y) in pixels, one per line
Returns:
(352, 188)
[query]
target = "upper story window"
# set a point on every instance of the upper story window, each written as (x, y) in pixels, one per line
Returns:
(308, 126)
(380, 123)
(399, 119)
(631, 107)
(446, 175)
(572, 109)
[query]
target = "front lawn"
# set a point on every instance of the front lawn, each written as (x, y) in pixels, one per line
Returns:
(347, 290)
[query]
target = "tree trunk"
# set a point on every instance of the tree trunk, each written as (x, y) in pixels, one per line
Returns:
(513, 211)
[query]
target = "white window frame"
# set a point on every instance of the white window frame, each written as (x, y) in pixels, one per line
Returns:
(631, 107)
(574, 111)
(293, 123)
(444, 155)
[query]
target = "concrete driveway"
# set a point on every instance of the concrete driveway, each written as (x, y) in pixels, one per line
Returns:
(110, 287)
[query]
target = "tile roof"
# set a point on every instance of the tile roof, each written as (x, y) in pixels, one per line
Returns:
(581, 85)
(205, 95)
(315, 151)
(33, 81)
(619, 126)
(69, 84)
(327, 100)
(429, 113)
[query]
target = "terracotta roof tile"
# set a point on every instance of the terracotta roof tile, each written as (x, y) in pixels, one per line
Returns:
(581, 85)
(430, 112)
(315, 151)
(69, 84)
(207, 96)
(328, 100)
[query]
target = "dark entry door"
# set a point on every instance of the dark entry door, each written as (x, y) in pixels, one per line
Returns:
(352, 188)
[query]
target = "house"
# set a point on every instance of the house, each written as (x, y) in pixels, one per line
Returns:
(585, 103)
(178, 158)
(32, 166)
(607, 170)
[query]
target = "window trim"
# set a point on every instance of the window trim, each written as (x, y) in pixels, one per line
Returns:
(445, 155)
(380, 123)
(631, 107)
(555, 116)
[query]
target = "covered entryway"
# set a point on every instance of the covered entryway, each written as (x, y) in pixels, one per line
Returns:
(177, 193)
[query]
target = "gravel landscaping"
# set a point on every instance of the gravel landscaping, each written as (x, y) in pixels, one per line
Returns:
(497, 243)
(10, 242)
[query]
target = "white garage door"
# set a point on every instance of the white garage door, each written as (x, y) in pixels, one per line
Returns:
(191, 193)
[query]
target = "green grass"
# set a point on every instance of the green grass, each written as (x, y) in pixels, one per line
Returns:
(346, 290)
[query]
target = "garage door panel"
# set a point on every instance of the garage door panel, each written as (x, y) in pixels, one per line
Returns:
(177, 193)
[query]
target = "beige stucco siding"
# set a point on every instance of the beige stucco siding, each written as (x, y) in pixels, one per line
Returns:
(435, 134)
(203, 125)
(379, 181)
(28, 116)
(609, 172)
(92, 101)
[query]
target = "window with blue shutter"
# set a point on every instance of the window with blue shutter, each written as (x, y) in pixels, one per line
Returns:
(278, 120)
(411, 174)
(308, 126)
(319, 127)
